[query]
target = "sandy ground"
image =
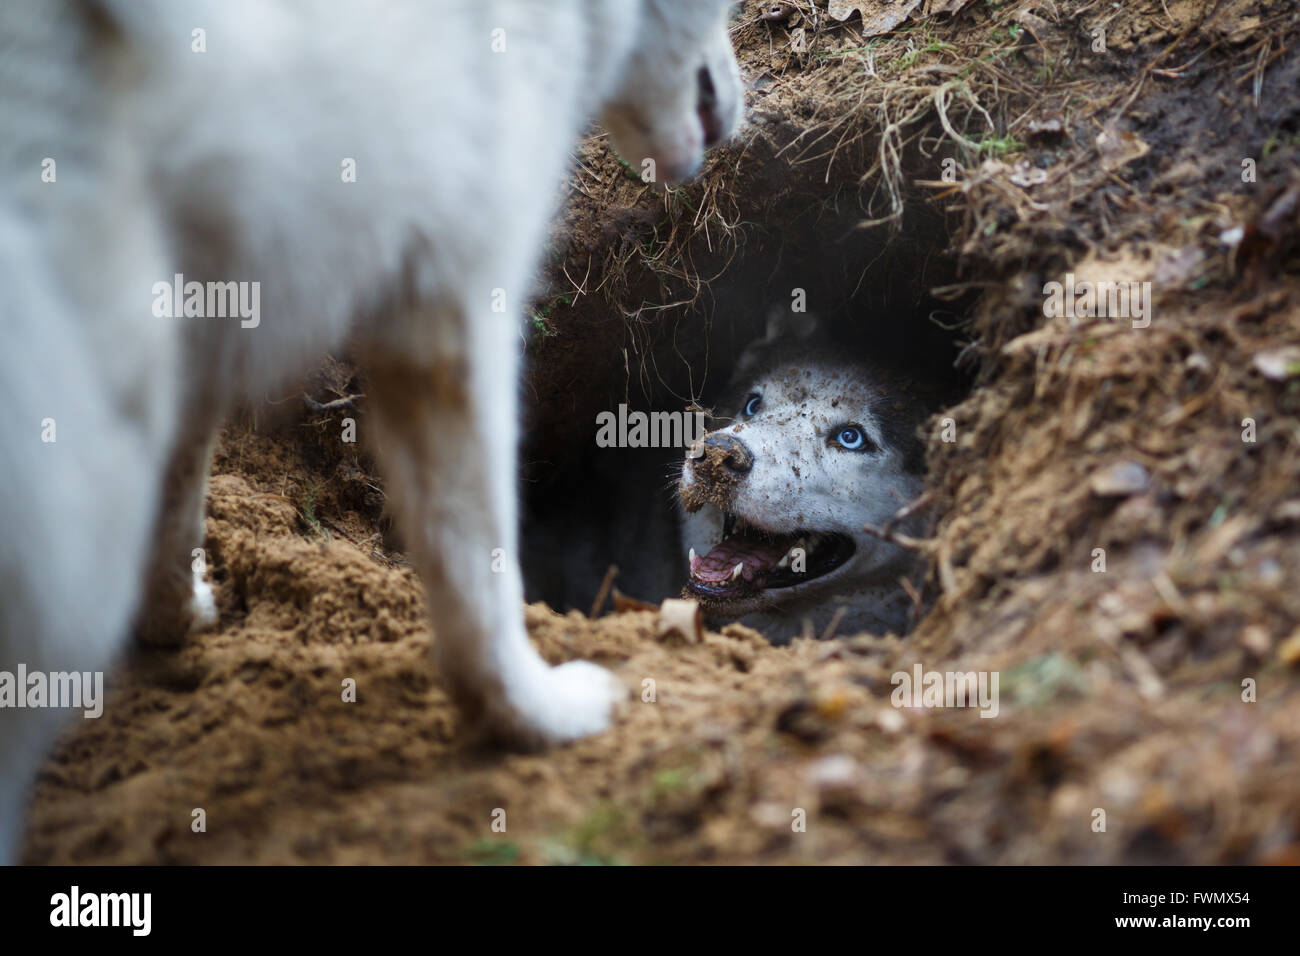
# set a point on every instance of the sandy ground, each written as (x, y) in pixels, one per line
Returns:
(731, 745)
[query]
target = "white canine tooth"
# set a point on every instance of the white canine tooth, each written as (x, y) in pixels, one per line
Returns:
(785, 561)
(735, 572)
(693, 559)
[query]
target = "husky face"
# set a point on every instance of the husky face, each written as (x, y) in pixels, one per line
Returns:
(683, 95)
(811, 447)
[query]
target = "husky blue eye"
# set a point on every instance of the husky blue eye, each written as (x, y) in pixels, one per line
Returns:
(752, 404)
(851, 437)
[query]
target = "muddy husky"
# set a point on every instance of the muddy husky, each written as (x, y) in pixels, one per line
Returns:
(372, 174)
(807, 446)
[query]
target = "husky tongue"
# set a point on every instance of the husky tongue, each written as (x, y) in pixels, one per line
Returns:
(757, 554)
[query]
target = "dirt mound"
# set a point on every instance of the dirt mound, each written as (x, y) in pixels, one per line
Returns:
(1116, 527)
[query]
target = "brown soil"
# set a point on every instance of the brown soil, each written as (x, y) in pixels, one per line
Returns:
(1121, 690)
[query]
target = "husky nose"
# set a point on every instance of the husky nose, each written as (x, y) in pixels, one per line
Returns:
(733, 453)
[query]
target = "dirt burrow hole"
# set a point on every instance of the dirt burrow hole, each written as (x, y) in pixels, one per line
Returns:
(664, 331)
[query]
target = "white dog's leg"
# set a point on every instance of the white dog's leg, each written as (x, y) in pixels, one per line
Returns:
(25, 742)
(177, 597)
(88, 395)
(446, 433)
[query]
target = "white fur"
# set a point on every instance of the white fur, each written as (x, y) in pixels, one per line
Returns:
(226, 165)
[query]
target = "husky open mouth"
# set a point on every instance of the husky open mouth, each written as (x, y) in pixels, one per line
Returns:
(807, 447)
(750, 559)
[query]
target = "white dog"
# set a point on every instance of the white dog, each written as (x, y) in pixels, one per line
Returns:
(199, 198)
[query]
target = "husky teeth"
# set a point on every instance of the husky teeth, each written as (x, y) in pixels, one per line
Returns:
(785, 561)
(735, 572)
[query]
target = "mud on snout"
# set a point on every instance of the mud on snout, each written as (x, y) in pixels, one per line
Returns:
(749, 559)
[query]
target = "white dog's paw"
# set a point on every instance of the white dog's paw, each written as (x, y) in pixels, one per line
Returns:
(203, 605)
(174, 609)
(590, 698)
(565, 703)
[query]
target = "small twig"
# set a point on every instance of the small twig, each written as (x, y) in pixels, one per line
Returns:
(923, 545)
(918, 606)
(947, 580)
(610, 574)
(887, 533)
(905, 512)
(835, 622)
(345, 402)
(1258, 85)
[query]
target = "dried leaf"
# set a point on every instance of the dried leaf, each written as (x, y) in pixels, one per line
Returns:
(1040, 29)
(1288, 652)
(1256, 639)
(623, 603)
(1181, 268)
(1119, 148)
(1045, 131)
(935, 7)
(1119, 480)
(776, 12)
(878, 16)
(1026, 174)
(1274, 232)
(1279, 364)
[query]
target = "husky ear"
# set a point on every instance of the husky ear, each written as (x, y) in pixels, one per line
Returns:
(783, 327)
(785, 324)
